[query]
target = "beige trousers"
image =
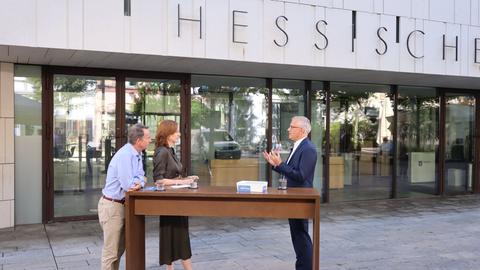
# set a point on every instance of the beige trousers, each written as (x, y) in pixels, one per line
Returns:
(111, 216)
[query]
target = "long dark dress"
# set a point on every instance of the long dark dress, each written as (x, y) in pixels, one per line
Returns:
(174, 235)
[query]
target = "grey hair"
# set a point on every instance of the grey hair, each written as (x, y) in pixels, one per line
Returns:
(136, 132)
(304, 123)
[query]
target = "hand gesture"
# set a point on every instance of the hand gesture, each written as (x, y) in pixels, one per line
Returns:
(187, 181)
(136, 187)
(273, 158)
(193, 177)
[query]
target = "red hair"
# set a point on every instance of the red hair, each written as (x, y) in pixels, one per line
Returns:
(165, 129)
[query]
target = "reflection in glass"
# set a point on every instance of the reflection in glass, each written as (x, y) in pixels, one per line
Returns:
(83, 141)
(228, 124)
(28, 144)
(459, 133)
(417, 144)
(28, 101)
(149, 101)
(288, 100)
(360, 142)
(318, 131)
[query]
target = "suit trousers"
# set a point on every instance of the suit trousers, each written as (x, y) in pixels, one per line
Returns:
(302, 243)
(111, 216)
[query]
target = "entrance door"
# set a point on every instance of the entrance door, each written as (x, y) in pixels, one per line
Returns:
(83, 141)
(459, 142)
(149, 101)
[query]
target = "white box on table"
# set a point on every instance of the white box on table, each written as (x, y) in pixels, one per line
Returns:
(246, 186)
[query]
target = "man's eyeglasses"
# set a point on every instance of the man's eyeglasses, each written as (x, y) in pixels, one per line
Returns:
(294, 127)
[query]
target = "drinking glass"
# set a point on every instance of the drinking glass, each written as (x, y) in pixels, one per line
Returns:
(282, 183)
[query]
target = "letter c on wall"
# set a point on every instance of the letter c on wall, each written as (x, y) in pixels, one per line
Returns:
(408, 43)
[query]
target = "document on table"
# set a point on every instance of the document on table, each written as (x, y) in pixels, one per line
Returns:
(179, 186)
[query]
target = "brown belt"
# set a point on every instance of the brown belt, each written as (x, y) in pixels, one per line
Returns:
(122, 201)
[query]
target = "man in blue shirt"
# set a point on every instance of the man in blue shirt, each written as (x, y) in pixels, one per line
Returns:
(125, 173)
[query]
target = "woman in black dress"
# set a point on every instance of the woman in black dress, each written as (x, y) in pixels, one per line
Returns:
(167, 169)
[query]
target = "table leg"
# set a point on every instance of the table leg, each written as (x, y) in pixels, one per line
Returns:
(316, 236)
(134, 237)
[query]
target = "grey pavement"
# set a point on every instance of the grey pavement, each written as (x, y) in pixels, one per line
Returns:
(429, 233)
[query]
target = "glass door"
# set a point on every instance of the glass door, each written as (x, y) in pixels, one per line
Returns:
(459, 142)
(319, 121)
(417, 141)
(361, 146)
(149, 101)
(83, 141)
(228, 120)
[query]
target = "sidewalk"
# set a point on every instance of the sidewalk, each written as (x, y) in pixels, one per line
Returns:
(432, 233)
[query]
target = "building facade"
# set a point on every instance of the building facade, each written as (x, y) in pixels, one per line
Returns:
(391, 88)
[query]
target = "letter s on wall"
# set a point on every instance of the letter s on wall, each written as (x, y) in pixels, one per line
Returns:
(285, 33)
(324, 36)
(383, 41)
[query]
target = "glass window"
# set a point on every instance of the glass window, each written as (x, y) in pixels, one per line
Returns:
(83, 141)
(149, 101)
(459, 140)
(228, 124)
(288, 100)
(360, 142)
(417, 141)
(318, 130)
(28, 144)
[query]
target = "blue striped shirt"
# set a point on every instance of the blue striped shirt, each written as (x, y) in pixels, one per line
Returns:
(124, 172)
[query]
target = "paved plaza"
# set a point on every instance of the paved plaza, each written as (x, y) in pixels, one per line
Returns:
(429, 233)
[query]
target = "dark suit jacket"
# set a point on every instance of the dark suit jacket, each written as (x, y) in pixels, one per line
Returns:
(301, 167)
(166, 164)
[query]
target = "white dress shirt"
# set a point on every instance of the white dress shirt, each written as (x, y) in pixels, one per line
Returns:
(295, 146)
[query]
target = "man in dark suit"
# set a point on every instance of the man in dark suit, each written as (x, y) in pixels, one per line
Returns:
(298, 169)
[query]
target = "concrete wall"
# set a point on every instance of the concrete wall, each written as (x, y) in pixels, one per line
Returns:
(152, 30)
(7, 158)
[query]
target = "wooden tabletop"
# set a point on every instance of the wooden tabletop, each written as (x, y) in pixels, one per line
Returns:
(231, 192)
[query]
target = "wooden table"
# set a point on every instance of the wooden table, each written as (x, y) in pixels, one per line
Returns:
(216, 202)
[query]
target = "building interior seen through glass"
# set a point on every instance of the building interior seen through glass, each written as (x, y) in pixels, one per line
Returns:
(318, 122)
(459, 140)
(417, 141)
(360, 141)
(149, 101)
(83, 141)
(288, 100)
(228, 127)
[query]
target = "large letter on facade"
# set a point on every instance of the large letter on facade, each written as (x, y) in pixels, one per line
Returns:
(476, 51)
(408, 43)
(281, 29)
(383, 41)
(237, 25)
(450, 46)
(191, 20)
(324, 36)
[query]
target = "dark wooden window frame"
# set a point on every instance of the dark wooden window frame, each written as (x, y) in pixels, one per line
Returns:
(441, 188)
(185, 99)
(48, 73)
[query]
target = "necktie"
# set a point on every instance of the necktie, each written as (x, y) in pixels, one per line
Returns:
(290, 155)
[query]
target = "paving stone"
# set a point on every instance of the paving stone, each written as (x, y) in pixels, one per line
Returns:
(426, 233)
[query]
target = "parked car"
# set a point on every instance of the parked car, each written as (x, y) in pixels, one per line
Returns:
(224, 147)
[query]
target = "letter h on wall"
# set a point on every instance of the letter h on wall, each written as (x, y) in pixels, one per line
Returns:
(450, 46)
(191, 20)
